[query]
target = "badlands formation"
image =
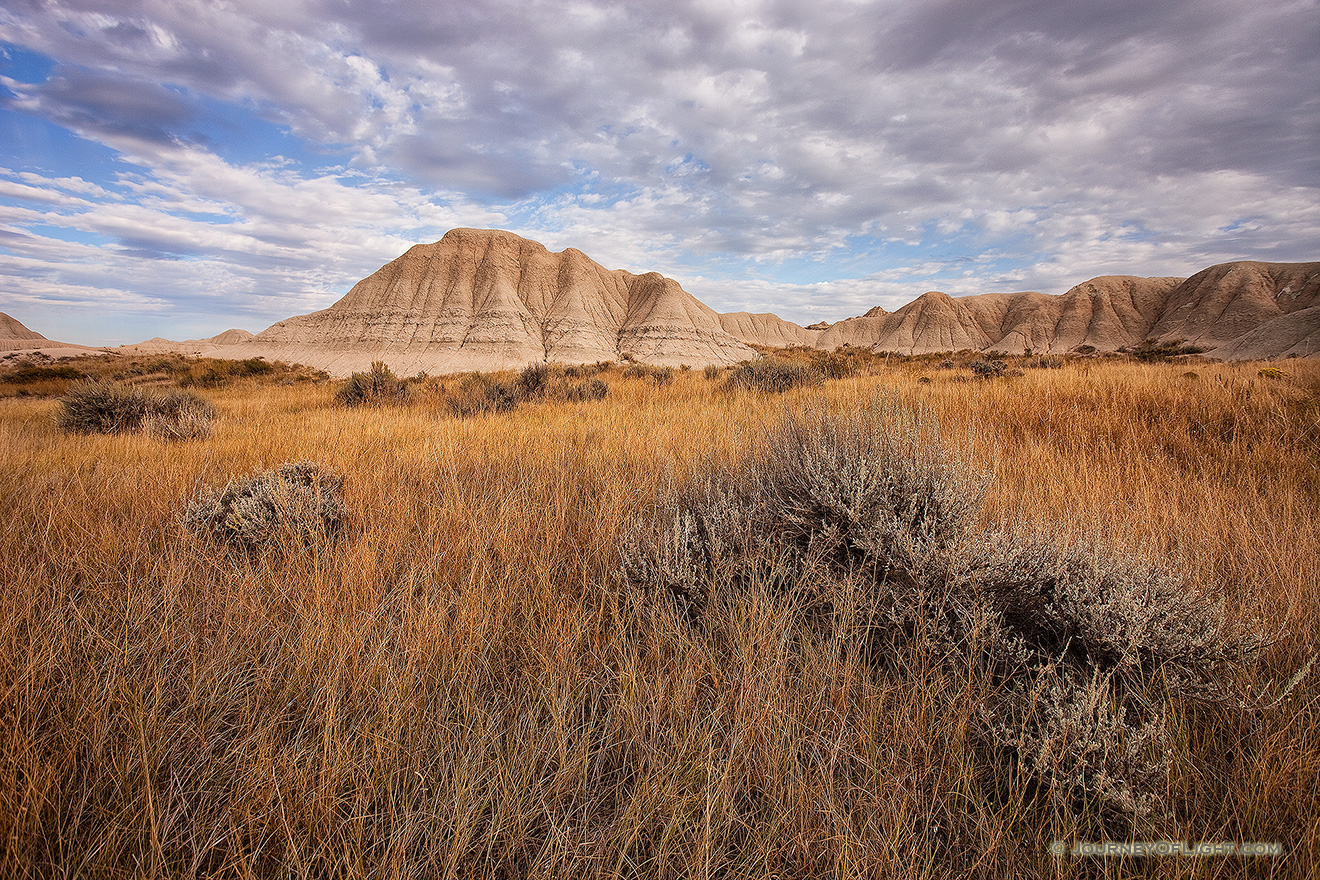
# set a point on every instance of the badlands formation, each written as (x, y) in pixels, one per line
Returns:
(18, 339)
(487, 300)
(490, 300)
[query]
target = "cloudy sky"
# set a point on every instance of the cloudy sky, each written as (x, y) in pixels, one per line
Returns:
(178, 167)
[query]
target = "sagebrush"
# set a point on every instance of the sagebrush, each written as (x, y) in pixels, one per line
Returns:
(100, 407)
(294, 504)
(869, 525)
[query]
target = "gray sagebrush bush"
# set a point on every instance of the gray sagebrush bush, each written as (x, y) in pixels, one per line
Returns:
(1084, 649)
(102, 407)
(297, 503)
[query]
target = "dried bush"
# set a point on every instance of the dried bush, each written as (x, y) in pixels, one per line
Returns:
(295, 504)
(100, 407)
(868, 524)
(534, 381)
(774, 375)
(987, 369)
(479, 393)
(713, 371)
(178, 415)
(588, 389)
(376, 387)
(658, 376)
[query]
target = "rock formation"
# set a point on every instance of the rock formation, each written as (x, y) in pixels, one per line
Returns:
(488, 300)
(1242, 310)
(14, 337)
(208, 346)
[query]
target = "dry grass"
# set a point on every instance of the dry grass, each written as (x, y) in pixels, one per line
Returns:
(462, 687)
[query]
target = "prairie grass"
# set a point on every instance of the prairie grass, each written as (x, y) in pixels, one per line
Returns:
(460, 686)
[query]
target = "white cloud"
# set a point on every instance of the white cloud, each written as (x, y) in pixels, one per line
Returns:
(712, 140)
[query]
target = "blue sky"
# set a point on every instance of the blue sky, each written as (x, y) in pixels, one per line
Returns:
(178, 167)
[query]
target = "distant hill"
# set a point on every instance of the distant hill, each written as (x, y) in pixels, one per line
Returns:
(14, 337)
(1242, 310)
(485, 299)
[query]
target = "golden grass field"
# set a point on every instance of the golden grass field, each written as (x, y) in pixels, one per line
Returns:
(459, 687)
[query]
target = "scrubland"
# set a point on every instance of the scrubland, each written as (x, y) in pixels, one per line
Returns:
(465, 682)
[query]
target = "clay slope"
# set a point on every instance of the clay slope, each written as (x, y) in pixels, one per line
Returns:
(487, 300)
(1106, 313)
(160, 345)
(1219, 305)
(766, 329)
(16, 337)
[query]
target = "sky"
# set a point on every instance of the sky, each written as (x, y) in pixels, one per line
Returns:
(178, 167)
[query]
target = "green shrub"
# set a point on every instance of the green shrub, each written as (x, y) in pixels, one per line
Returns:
(296, 504)
(773, 375)
(100, 407)
(376, 387)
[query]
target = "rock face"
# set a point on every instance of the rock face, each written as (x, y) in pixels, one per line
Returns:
(489, 300)
(1240, 310)
(1219, 306)
(14, 337)
(209, 346)
(768, 330)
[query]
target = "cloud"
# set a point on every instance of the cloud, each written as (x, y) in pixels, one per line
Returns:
(732, 143)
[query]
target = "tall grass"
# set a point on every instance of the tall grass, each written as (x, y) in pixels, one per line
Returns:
(462, 687)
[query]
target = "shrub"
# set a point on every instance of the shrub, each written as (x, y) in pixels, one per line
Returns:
(478, 394)
(713, 371)
(294, 504)
(376, 387)
(834, 364)
(1046, 362)
(987, 369)
(98, 407)
(533, 381)
(178, 415)
(658, 376)
(108, 408)
(868, 525)
(773, 375)
(29, 373)
(588, 389)
(1150, 351)
(1272, 373)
